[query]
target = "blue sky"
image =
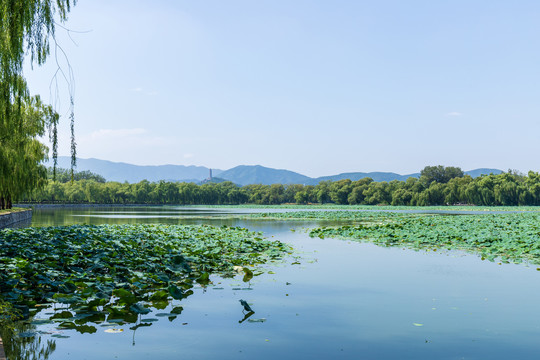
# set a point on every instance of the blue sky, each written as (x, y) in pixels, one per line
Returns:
(317, 87)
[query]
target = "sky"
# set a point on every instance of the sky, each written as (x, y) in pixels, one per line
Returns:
(316, 87)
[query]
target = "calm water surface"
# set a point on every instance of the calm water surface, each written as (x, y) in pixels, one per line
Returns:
(340, 299)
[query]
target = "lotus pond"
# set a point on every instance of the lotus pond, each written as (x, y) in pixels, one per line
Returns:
(131, 283)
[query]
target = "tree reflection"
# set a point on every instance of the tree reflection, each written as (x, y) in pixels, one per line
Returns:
(22, 342)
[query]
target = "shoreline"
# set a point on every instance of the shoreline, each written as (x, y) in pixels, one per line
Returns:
(9, 219)
(62, 205)
(2, 353)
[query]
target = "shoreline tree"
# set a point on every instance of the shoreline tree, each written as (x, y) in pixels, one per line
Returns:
(26, 28)
(23, 153)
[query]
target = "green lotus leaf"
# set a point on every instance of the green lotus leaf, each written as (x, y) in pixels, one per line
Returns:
(175, 292)
(85, 329)
(149, 320)
(204, 278)
(139, 309)
(159, 295)
(177, 310)
(140, 325)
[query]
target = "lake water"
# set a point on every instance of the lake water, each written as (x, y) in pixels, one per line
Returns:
(332, 299)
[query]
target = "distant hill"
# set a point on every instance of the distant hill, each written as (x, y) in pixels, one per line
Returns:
(118, 171)
(479, 172)
(257, 174)
(389, 176)
(241, 175)
(376, 176)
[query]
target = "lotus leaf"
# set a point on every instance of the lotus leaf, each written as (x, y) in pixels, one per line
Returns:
(139, 309)
(112, 270)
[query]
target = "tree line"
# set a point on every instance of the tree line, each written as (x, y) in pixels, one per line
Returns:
(437, 185)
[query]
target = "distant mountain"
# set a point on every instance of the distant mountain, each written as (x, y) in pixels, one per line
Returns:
(478, 172)
(241, 175)
(118, 171)
(389, 176)
(257, 174)
(354, 176)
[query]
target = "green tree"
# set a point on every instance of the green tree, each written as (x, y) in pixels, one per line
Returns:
(25, 29)
(322, 191)
(435, 194)
(454, 192)
(340, 190)
(21, 152)
(378, 193)
(356, 196)
(401, 197)
(439, 174)
(275, 194)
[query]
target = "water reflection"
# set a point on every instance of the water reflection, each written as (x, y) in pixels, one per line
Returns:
(246, 316)
(24, 342)
(342, 300)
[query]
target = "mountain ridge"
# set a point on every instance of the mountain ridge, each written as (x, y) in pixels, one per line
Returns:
(241, 174)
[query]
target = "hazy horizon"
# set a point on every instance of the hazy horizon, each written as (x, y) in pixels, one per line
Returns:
(311, 86)
(67, 159)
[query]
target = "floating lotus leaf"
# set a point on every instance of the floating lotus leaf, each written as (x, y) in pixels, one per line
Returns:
(159, 295)
(177, 310)
(112, 270)
(509, 237)
(175, 292)
(125, 296)
(140, 325)
(139, 309)
(62, 315)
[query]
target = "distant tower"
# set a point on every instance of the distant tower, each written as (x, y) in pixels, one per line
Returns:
(210, 178)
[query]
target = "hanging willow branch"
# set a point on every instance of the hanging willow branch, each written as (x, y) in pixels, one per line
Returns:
(69, 79)
(26, 27)
(73, 143)
(53, 138)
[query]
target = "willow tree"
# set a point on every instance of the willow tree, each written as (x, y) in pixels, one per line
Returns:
(26, 30)
(22, 152)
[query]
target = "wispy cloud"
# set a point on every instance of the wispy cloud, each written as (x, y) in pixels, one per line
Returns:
(453, 114)
(137, 89)
(188, 156)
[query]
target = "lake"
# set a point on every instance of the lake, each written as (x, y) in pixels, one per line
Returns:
(330, 299)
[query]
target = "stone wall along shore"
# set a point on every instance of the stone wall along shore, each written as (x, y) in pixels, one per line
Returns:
(15, 217)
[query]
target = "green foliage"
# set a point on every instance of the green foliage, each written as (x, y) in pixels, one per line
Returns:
(509, 237)
(506, 189)
(8, 315)
(25, 29)
(118, 272)
(21, 152)
(64, 175)
(357, 216)
(439, 174)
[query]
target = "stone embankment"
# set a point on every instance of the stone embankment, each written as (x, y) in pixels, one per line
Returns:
(65, 205)
(15, 217)
(2, 353)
